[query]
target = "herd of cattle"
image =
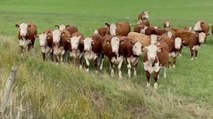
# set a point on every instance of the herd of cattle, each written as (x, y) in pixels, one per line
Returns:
(159, 46)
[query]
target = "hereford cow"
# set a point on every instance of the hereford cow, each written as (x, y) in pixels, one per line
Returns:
(155, 57)
(174, 44)
(77, 47)
(144, 15)
(46, 44)
(27, 34)
(93, 51)
(193, 40)
(119, 29)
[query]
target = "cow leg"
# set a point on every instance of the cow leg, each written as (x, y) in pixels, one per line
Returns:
(156, 77)
(129, 67)
(80, 60)
(192, 53)
(43, 56)
(112, 69)
(180, 51)
(196, 52)
(102, 61)
(87, 64)
(52, 57)
(119, 68)
(147, 78)
(174, 62)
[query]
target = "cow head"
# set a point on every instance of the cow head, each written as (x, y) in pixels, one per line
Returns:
(197, 26)
(201, 37)
(56, 36)
(22, 29)
(88, 44)
(75, 41)
(115, 42)
(152, 51)
(61, 27)
(137, 48)
(145, 15)
(154, 39)
(167, 24)
(42, 41)
(112, 29)
(178, 43)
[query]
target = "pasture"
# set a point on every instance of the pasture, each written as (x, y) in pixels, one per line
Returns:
(64, 91)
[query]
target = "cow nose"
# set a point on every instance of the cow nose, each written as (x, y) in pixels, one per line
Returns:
(152, 58)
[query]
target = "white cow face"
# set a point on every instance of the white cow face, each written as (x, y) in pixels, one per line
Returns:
(23, 29)
(178, 43)
(197, 26)
(152, 52)
(42, 41)
(88, 44)
(167, 24)
(112, 29)
(146, 15)
(75, 40)
(136, 49)
(201, 37)
(115, 42)
(154, 39)
(169, 34)
(61, 27)
(56, 36)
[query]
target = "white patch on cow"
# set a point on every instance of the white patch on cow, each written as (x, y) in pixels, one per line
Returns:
(178, 43)
(62, 27)
(88, 43)
(115, 42)
(136, 49)
(197, 26)
(173, 54)
(139, 21)
(23, 29)
(201, 37)
(154, 39)
(117, 60)
(167, 24)
(43, 42)
(119, 68)
(146, 14)
(143, 30)
(169, 34)
(112, 29)
(56, 36)
(196, 47)
(190, 28)
(150, 68)
(75, 40)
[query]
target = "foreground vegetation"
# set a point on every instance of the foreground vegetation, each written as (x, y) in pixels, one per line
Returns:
(45, 90)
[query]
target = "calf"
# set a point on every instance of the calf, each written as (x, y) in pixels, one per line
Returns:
(193, 40)
(93, 50)
(174, 44)
(155, 56)
(77, 47)
(119, 29)
(46, 44)
(27, 34)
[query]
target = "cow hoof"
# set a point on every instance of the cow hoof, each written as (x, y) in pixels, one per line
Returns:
(155, 86)
(195, 57)
(180, 55)
(147, 84)
(174, 66)
(87, 69)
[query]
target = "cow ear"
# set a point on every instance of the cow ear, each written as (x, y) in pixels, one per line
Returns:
(29, 25)
(107, 24)
(67, 26)
(57, 26)
(16, 25)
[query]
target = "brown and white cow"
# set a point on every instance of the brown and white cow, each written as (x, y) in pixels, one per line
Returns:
(119, 29)
(174, 44)
(201, 26)
(155, 57)
(93, 51)
(143, 15)
(26, 35)
(193, 40)
(77, 47)
(46, 44)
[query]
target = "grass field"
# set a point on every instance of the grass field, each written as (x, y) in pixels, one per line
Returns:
(50, 91)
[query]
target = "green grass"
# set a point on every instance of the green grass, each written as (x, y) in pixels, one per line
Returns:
(63, 91)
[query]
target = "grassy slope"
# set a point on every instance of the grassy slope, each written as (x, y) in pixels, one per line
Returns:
(64, 91)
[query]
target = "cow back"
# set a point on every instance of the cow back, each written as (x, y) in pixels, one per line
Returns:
(123, 28)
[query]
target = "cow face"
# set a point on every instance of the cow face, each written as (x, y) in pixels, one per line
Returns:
(178, 43)
(201, 37)
(145, 15)
(115, 42)
(56, 36)
(167, 24)
(136, 49)
(42, 42)
(154, 39)
(88, 44)
(169, 34)
(197, 26)
(75, 40)
(22, 29)
(152, 52)
(112, 29)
